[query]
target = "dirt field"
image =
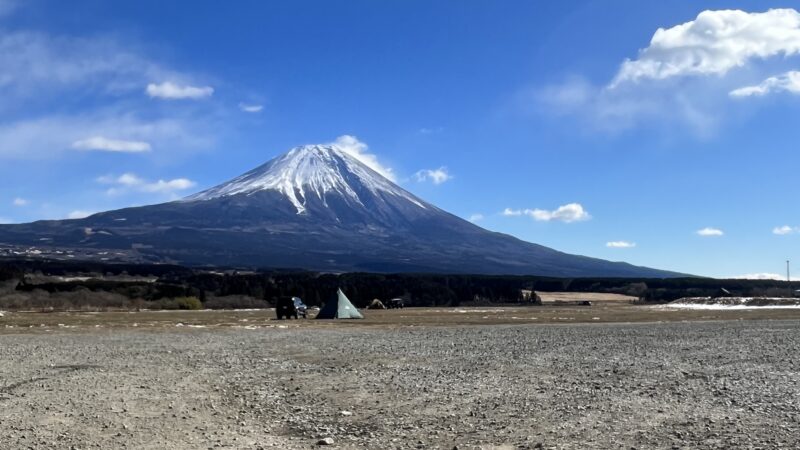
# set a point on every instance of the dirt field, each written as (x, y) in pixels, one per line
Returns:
(602, 312)
(242, 380)
(594, 297)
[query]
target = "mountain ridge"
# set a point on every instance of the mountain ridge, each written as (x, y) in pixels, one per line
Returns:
(317, 208)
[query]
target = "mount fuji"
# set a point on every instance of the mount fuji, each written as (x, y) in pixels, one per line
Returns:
(316, 207)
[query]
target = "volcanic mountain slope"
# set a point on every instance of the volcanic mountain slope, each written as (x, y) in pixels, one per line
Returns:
(317, 208)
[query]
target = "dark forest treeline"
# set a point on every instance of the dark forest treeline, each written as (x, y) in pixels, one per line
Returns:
(256, 289)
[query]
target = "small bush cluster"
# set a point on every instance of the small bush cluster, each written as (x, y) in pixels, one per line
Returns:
(78, 300)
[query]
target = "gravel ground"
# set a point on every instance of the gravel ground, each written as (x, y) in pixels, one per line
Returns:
(671, 385)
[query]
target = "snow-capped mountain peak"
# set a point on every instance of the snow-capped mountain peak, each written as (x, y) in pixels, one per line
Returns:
(317, 208)
(311, 171)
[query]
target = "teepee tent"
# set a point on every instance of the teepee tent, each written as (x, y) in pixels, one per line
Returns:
(341, 308)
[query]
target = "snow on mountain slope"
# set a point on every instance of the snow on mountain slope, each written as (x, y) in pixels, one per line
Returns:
(316, 207)
(311, 170)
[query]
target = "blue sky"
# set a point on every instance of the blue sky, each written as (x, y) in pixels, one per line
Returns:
(575, 124)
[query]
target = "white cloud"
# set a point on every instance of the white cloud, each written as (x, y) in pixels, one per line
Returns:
(46, 137)
(710, 232)
(436, 176)
(713, 44)
(572, 212)
(784, 230)
(40, 70)
(129, 179)
(169, 186)
(250, 108)
(100, 143)
(79, 214)
(787, 82)
(620, 244)
(359, 150)
(476, 217)
(171, 91)
(681, 77)
(131, 182)
(19, 202)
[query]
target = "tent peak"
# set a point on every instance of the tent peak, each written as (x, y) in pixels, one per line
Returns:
(340, 308)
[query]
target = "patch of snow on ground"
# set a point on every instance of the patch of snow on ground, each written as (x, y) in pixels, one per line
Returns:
(723, 307)
(732, 303)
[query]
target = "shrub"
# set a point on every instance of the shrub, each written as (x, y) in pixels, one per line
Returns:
(189, 303)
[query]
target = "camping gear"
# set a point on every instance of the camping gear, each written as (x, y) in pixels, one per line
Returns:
(376, 304)
(340, 308)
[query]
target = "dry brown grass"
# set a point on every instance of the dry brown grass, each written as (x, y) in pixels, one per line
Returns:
(608, 312)
(549, 297)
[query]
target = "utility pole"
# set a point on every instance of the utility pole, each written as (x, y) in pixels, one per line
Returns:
(789, 280)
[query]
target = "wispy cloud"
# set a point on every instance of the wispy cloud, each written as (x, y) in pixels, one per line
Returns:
(36, 65)
(476, 217)
(784, 230)
(572, 212)
(100, 143)
(436, 176)
(616, 110)
(106, 74)
(19, 202)
(620, 244)
(171, 91)
(250, 108)
(79, 214)
(126, 179)
(128, 182)
(46, 137)
(710, 232)
(169, 186)
(360, 150)
(787, 82)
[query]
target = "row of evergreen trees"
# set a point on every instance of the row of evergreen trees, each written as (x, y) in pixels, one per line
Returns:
(361, 288)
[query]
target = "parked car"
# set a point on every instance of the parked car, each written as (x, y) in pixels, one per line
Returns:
(288, 307)
(300, 307)
(396, 303)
